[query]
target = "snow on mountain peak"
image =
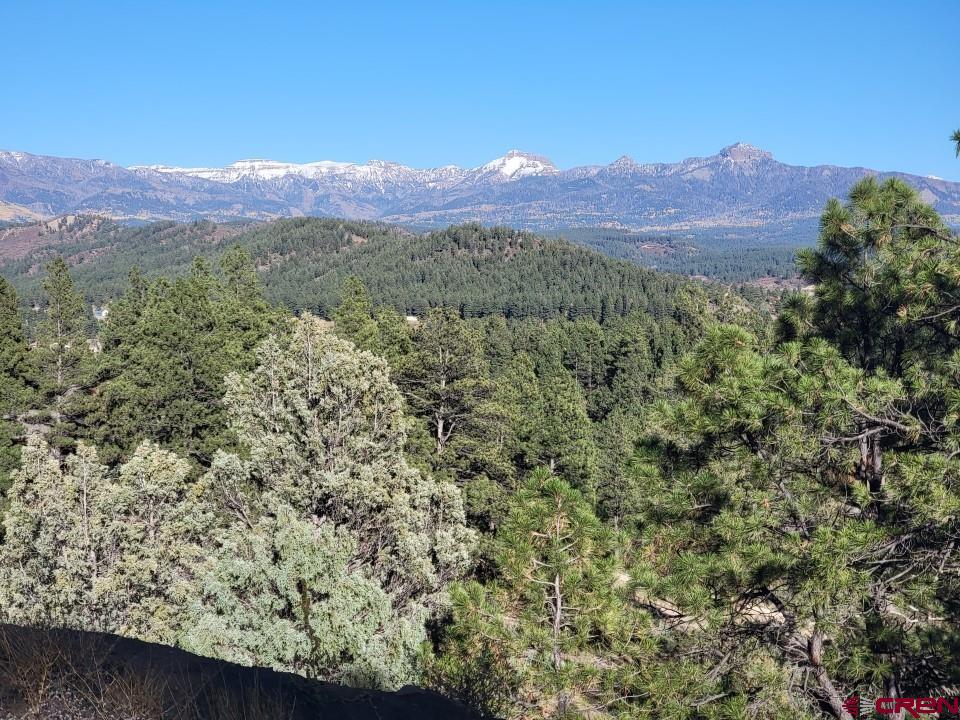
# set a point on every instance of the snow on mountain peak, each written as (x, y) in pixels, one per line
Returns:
(253, 169)
(516, 164)
(13, 155)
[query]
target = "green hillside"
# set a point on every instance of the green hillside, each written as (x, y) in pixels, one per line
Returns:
(303, 262)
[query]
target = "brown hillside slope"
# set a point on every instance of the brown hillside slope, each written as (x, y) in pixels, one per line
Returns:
(75, 675)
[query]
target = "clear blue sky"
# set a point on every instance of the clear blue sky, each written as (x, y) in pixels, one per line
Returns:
(205, 83)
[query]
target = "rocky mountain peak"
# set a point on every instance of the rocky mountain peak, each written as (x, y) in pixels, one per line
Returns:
(624, 162)
(744, 153)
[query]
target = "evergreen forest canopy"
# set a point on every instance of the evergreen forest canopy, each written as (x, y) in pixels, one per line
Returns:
(571, 488)
(479, 271)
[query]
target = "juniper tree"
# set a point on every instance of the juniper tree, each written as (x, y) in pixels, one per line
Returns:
(90, 549)
(49, 560)
(292, 593)
(157, 532)
(333, 529)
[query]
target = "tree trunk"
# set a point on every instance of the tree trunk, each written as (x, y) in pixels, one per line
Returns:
(441, 427)
(557, 622)
(870, 468)
(827, 688)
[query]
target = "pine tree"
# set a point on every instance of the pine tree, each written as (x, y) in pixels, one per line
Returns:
(62, 355)
(61, 341)
(618, 482)
(636, 358)
(564, 439)
(394, 342)
(240, 280)
(166, 350)
(445, 380)
(773, 543)
(518, 390)
(353, 317)
(559, 615)
(587, 358)
(15, 390)
(167, 386)
(244, 317)
(14, 353)
(861, 301)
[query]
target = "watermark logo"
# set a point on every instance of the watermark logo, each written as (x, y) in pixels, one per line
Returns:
(913, 707)
(857, 706)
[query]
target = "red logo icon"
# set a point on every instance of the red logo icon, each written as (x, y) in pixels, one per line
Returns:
(852, 705)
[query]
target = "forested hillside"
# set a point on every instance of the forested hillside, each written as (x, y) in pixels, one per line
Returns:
(570, 488)
(475, 270)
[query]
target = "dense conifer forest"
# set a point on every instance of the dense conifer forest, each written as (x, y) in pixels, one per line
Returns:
(304, 260)
(567, 487)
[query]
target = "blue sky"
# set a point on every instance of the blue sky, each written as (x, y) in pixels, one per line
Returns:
(205, 83)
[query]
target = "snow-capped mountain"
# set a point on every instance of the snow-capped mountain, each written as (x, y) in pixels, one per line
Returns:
(516, 164)
(512, 166)
(740, 186)
(252, 169)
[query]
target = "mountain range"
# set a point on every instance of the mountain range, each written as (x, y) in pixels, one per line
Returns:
(741, 186)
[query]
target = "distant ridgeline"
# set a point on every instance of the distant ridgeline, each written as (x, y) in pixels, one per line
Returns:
(303, 262)
(730, 255)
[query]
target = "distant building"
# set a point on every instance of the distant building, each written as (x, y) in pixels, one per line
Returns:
(100, 312)
(412, 319)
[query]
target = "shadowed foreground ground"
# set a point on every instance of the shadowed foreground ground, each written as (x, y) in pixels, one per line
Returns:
(68, 674)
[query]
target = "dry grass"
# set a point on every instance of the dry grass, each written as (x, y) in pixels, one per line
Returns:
(56, 673)
(28, 667)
